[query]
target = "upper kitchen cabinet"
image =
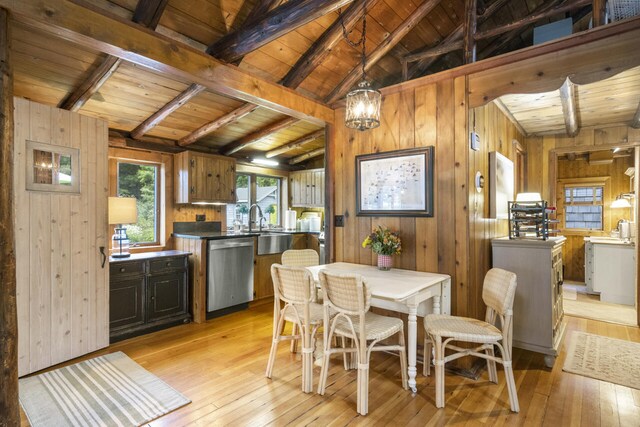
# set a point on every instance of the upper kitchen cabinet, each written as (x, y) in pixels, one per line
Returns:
(205, 178)
(307, 188)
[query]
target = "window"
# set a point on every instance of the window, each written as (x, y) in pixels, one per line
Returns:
(141, 180)
(266, 193)
(583, 206)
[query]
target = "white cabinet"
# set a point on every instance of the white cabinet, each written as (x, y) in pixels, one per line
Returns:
(537, 311)
(613, 271)
(307, 188)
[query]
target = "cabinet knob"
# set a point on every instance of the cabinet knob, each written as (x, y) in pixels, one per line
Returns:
(122, 269)
(153, 298)
(168, 263)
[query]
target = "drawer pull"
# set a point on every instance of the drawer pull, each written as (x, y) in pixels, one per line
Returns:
(168, 263)
(122, 269)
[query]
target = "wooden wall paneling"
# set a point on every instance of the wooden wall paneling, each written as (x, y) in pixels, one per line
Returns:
(425, 134)
(197, 276)
(23, 275)
(61, 232)
(445, 180)
(407, 123)
(39, 254)
(339, 140)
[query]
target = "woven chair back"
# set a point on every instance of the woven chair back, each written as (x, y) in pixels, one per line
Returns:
(300, 258)
(499, 289)
(293, 285)
(346, 293)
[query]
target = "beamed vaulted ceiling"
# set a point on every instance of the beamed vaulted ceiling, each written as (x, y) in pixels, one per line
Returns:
(295, 43)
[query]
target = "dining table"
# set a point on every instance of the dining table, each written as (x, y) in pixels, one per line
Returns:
(404, 291)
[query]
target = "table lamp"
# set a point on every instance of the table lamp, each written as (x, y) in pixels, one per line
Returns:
(122, 210)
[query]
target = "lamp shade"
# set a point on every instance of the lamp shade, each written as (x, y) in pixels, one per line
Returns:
(621, 202)
(528, 197)
(123, 210)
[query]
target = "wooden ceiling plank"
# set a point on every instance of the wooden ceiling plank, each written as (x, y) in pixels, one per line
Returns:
(569, 108)
(295, 144)
(532, 18)
(311, 154)
(259, 135)
(147, 13)
(86, 26)
(210, 127)
(325, 43)
(276, 23)
(394, 38)
(505, 110)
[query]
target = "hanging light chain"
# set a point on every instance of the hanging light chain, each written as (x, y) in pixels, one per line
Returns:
(363, 36)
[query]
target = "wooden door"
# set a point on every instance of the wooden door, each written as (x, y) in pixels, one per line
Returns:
(62, 284)
(227, 179)
(198, 178)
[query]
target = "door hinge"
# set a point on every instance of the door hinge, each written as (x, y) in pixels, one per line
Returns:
(193, 163)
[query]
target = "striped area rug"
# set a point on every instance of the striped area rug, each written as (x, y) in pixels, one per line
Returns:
(110, 390)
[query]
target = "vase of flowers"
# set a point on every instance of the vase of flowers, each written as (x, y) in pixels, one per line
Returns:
(385, 243)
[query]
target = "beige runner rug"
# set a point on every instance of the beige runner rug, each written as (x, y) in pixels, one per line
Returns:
(607, 359)
(110, 390)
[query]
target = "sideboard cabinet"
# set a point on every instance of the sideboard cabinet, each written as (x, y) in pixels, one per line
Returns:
(537, 310)
(147, 292)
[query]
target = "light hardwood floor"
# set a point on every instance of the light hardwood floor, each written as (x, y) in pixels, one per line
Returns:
(220, 366)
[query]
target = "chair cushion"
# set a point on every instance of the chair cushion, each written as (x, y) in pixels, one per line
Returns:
(461, 328)
(316, 313)
(377, 327)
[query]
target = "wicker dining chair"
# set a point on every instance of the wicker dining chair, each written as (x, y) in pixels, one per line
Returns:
(498, 292)
(349, 298)
(300, 258)
(293, 287)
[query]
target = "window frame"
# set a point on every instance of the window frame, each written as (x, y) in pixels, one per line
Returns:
(253, 174)
(584, 182)
(158, 196)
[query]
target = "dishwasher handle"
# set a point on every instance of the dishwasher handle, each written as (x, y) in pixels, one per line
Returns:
(230, 243)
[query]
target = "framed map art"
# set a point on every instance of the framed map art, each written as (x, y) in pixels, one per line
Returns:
(395, 183)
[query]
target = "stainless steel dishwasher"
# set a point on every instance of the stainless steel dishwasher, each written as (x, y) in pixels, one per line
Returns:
(229, 273)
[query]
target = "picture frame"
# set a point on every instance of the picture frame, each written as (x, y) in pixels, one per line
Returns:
(395, 183)
(501, 185)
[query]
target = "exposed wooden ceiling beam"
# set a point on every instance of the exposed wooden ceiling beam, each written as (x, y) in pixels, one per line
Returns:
(387, 44)
(300, 71)
(635, 123)
(171, 106)
(92, 84)
(261, 8)
(95, 29)
(276, 23)
(599, 12)
(258, 136)
(295, 144)
(210, 127)
(569, 107)
(311, 154)
(147, 13)
(532, 18)
(452, 42)
(322, 47)
(470, 21)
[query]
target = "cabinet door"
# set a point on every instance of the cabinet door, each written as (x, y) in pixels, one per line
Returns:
(296, 189)
(166, 295)
(227, 180)
(318, 188)
(262, 283)
(198, 178)
(126, 307)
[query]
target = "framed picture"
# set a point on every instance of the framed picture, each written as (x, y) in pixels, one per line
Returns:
(395, 183)
(501, 185)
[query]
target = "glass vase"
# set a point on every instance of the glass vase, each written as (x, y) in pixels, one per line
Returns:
(385, 262)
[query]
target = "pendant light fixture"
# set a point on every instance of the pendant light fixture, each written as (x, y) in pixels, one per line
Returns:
(363, 102)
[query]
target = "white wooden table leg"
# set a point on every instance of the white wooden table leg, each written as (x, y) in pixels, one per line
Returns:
(412, 345)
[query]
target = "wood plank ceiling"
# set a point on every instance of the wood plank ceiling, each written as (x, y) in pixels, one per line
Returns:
(272, 45)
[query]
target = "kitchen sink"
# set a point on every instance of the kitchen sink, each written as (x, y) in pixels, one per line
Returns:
(273, 242)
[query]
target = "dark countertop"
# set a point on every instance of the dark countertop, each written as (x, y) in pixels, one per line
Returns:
(217, 235)
(148, 255)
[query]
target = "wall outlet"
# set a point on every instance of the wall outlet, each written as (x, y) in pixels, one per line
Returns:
(338, 220)
(202, 217)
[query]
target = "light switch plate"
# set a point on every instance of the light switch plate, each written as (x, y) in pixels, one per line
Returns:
(474, 141)
(201, 217)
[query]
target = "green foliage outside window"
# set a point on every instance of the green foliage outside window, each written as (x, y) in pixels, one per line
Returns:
(140, 181)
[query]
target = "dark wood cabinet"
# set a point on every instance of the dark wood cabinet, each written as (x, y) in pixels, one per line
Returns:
(147, 292)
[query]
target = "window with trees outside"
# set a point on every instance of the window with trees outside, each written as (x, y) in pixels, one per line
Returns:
(266, 193)
(584, 206)
(141, 180)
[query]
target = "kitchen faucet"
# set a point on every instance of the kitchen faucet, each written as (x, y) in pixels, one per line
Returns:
(261, 217)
